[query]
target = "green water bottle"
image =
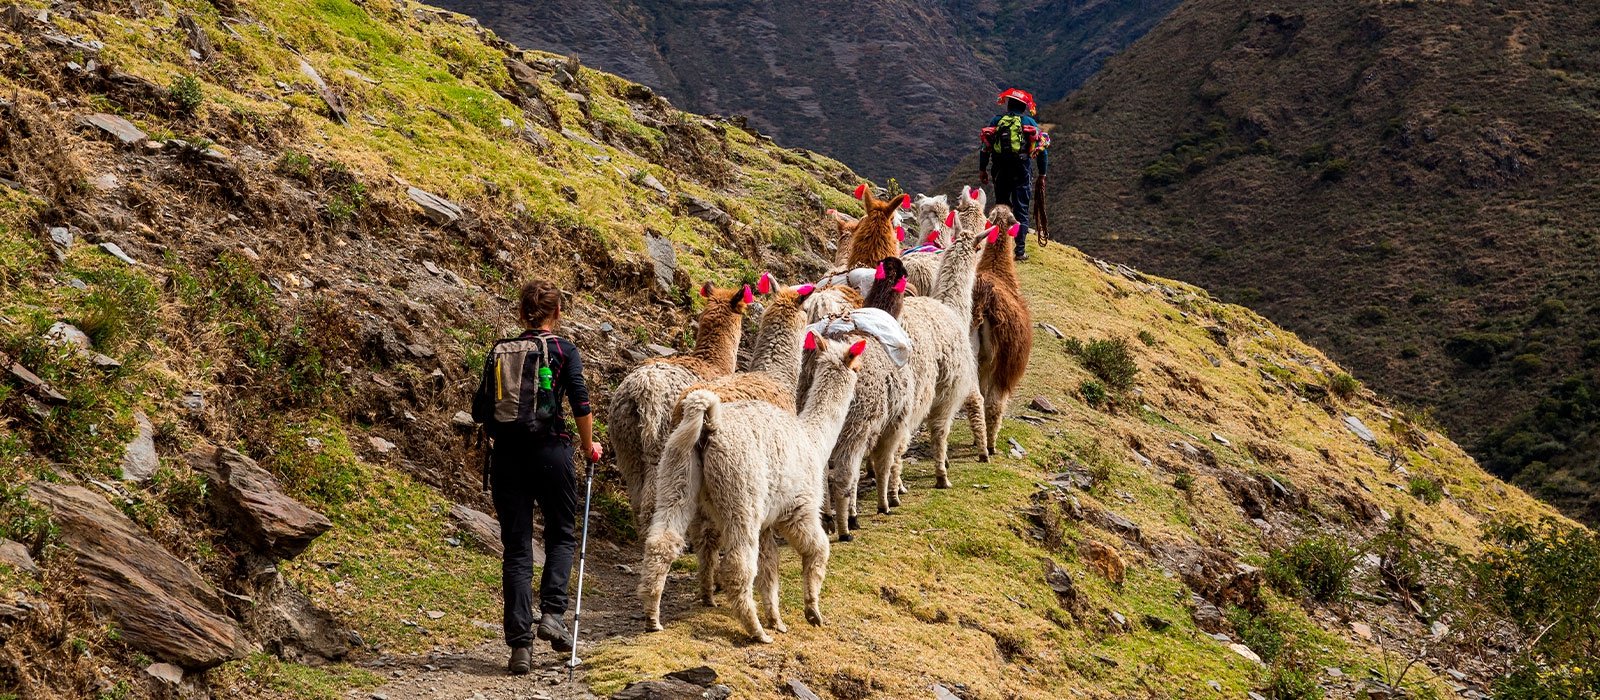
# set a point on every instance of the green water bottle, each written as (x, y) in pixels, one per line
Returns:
(544, 378)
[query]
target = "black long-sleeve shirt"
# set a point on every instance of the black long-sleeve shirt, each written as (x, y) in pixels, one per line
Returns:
(566, 375)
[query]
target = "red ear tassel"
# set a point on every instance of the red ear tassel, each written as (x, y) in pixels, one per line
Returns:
(1012, 232)
(994, 234)
(900, 287)
(906, 204)
(858, 348)
(861, 190)
(705, 291)
(805, 290)
(811, 340)
(950, 219)
(764, 285)
(879, 274)
(748, 297)
(933, 236)
(900, 233)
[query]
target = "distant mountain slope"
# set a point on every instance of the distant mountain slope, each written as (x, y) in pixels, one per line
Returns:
(1410, 185)
(893, 89)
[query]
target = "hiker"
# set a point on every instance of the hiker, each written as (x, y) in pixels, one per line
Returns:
(530, 462)
(1011, 142)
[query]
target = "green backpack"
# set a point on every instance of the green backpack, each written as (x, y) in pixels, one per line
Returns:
(1009, 136)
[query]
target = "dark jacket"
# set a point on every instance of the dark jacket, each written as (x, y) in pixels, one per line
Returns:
(1036, 146)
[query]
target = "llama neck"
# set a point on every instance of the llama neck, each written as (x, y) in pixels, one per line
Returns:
(883, 296)
(827, 404)
(998, 262)
(777, 350)
(957, 272)
(873, 240)
(717, 341)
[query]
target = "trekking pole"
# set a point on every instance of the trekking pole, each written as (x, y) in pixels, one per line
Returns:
(583, 554)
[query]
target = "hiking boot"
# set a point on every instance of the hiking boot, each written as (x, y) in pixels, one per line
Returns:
(521, 662)
(1022, 257)
(553, 631)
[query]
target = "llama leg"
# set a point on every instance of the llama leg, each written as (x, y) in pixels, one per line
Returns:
(659, 552)
(994, 408)
(939, 434)
(839, 488)
(975, 419)
(743, 550)
(767, 579)
(807, 538)
(885, 461)
(707, 551)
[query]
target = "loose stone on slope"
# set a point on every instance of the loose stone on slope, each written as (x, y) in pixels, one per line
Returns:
(439, 210)
(112, 125)
(139, 459)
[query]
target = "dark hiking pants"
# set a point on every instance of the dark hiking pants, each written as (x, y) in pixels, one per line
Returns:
(1013, 187)
(525, 473)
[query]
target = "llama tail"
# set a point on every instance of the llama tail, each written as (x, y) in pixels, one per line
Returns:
(678, 479)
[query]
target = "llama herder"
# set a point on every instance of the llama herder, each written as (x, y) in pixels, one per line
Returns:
(641, 406)
(1002, 327)
(941, 353)
(755, 471)
(878, 419)
(773, 377)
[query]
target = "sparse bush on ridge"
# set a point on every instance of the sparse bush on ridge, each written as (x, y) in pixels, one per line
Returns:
(1110, 360)
(1316, 567)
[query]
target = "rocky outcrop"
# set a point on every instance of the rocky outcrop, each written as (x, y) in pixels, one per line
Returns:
(699, 683)
(255, 506)
(163, 607)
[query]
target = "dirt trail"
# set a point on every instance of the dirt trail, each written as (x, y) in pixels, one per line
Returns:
(610, 610)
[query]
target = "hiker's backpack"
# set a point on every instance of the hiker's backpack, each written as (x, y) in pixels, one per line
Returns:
(517, 392)
(1009, 135)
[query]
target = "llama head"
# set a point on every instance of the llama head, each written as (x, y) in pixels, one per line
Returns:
(1002, 216)
(726, 301)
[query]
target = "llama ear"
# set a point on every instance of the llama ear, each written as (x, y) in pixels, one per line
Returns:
(861, 192)
(805, 290)
(950, 219)
(900, 287)
(855, 354)
(900, 233)
(1012, 232)
(879, 273)
(933, 236)
(811, 341)
(993, 234)
(745, 299)
(900, 201)
(974, 194)
(764, 285)
(705, 290)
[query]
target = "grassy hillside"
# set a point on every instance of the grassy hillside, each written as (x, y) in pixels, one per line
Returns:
(1402, 183)
(289, 297)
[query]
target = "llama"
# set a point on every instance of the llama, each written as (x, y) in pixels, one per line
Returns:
(875, 236)
(877, 422)
(772, 377)
(933, 236)
(844, 227)
(942, 356)
(755, 471)
(1002, 328)
(642, 404)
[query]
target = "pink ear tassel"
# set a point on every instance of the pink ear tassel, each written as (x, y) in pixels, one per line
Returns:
(974, 194)
(1012, 232)
(764, 285)
(900, 287)
(811, 341)
(933, 236)
(805, 289)
(858, 348)
(749, 298)
(879, 274)
(906, 204)
(994, 234)
(900, 233)
(861, 190)
(950, 219)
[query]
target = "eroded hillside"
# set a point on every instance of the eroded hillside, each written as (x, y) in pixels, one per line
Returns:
(253, 254)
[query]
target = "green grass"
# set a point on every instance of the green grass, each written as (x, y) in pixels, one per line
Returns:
(264, 675)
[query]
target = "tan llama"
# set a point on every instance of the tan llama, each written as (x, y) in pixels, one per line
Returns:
(1002, 327)
(755, 471)
(929, 214)
(844, 227)
(641, 406)
(878, 421)
(942, 355)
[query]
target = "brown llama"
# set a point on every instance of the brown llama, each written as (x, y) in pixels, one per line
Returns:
(875, 237)
(641, 406)
(755, 471)
(1002, 327)
(844, 228)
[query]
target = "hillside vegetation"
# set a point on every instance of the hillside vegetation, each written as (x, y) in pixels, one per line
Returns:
(1404, 183)
(307, 271)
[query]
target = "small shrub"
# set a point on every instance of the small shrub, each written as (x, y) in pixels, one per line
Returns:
(1317, 567)
(1292, 680)
(1549, 313)
(1263, 633)
(1335, 170)
(186, 93)
(1477, 348)
(1425, 489)
(1371, 316)
(1110, 360)
(296, 165)
(1527, 363)
(1148, 338)
(1404, 558)
(1184, 482)
(1343, 385)
(1094, 393)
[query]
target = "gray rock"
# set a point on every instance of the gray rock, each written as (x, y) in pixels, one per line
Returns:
(254, 505)
(1221, 440)
(116, 251)
(15, 554)
(62, 237)
(1043, 405)
(704, 210)
(33, 383)
(1016, 449)
(166, 673)
(380, 445)
(665, 257)
(335, 105)
(649, 181)
(484, 530)
(1155, 623)
(942, 693)
(139, 459)
(1360, 429)
(800, 690)
(112, 125)
(661, 689)
(439, 210)
(462, 420)
(161, 605)
(1053, 331)
(1245, 651)
(703, 676)
(660, 350)
(194, 402)
(1120, 620)
(62, 333)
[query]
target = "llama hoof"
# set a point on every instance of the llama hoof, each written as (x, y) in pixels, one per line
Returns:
(902, 490)
(778, 626)
(653, 626)
(894, 500)
(983, 457)
(814, 617)
(846, 537)
(942, 483)
(883, 510)
(763, 638)
(853, 523)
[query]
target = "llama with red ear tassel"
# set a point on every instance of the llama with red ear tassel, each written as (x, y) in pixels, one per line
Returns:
(755, 471)
(934, 221)
(844, 226)
(874, 236)
(1002, 329)
(641, 406)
